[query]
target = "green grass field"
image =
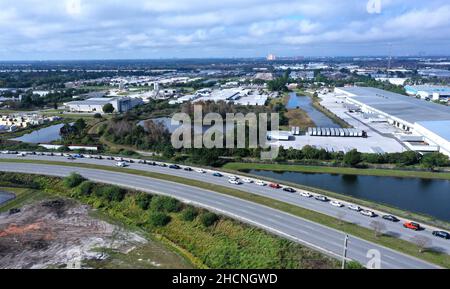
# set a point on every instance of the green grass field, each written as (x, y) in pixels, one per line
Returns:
(355, 230)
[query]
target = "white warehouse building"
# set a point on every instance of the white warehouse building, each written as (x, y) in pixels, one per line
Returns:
(95, 105)
(426, 124)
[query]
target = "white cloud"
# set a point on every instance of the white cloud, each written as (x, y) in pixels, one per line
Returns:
(73, 7)
(229, 27)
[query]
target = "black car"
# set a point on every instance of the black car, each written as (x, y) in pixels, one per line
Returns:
(391, 218)
(289, 190)
(174, 167)
(441, 234)
(188, 169)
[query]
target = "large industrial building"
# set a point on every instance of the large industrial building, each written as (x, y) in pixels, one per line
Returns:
(95, 105)
(426, 125)
(432, 92)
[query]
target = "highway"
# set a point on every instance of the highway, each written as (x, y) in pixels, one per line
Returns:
(395, 229)
(297, 229)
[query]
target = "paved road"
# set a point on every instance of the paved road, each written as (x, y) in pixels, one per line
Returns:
(395, 229)
(297, 229)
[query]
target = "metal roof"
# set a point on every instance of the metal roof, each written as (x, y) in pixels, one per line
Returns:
(92, 101)
(403, 107)
(440, 128)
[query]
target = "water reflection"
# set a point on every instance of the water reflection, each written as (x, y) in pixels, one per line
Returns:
(426, 196)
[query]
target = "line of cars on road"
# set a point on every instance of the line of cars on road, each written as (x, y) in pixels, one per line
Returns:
(391, 218)
(121, 162)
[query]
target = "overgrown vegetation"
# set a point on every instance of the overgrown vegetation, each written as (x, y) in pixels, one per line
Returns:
(216, 241)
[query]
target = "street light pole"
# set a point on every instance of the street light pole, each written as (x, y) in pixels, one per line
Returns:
(344, 254)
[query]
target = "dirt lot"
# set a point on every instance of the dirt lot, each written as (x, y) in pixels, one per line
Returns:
(59, 234)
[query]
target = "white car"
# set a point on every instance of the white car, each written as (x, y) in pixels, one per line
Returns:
(368, 213)
(121, 164)
(305, 194)
(234, 182)
(336, 204)
(233, 178)
(261, 183)
(354, 208)
(21, 155)
(200, 171)
(247, 180)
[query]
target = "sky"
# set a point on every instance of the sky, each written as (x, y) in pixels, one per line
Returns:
(154, 29)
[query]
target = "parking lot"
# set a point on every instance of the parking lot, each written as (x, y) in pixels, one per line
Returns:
(377, 140)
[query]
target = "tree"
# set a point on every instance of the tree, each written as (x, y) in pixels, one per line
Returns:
(189, 214)
(112, 194)
(108, 108)
(433, 160)
(143, 201)
(73, 180)
(79, 125)
(158, 219)
(378, 227)
(85, 188)
(164, 204)
(422, 242)
(208, 219)
(352, 158)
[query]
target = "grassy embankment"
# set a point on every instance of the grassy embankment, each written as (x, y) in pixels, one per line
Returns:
(222, 243)
(386, 240)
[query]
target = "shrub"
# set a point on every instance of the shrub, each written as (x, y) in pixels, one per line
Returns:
(158, 219)
(111, 193)
(98, 116)
(73, 180)
(164, 204)
(108, 108)
(208, 219)
(189, 214)
(433, 160)
(85, 188)
(352, 158)
(143, 201)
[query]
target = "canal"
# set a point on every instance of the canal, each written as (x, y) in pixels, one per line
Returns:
(425, 196)
(305, 103)
(42, 136)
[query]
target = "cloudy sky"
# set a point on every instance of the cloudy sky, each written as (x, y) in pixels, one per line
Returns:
(102, 29)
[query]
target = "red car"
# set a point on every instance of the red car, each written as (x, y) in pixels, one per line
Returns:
(275, 186)
(412, 226)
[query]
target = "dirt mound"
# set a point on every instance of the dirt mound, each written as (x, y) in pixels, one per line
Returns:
(57, 233)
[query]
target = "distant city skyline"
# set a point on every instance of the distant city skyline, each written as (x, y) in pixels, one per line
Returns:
(170, 29)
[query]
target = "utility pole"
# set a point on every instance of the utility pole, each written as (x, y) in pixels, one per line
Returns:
(344, 254)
